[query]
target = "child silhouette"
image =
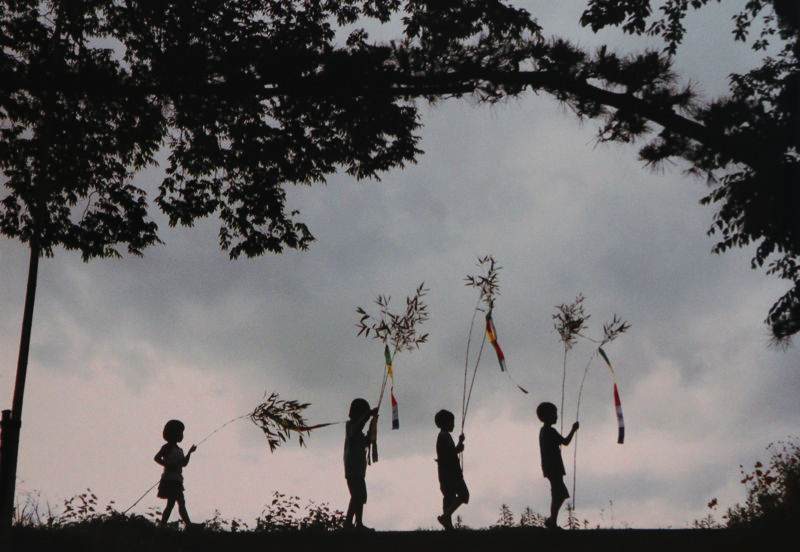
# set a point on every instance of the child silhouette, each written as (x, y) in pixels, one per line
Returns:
(172, 458)
(451, 478)
(355, 461)
(550, 441)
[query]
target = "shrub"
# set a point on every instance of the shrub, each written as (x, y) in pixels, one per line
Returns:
(773, 491)
(506, 518)
(284, 513)
(529, 518)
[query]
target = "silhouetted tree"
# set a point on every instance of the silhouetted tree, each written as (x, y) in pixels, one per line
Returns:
(67, 153)
(256, 103)
(747, 143)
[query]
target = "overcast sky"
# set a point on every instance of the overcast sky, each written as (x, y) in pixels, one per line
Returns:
(121, 346)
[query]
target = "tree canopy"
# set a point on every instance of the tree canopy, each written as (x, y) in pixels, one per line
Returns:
(249, 96)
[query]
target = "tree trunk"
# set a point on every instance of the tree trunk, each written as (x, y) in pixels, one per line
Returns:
(11, 427)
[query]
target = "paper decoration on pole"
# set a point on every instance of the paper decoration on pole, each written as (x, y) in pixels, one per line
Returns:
(617, 401)
(395, 415)
(491, 335)
(390, 373)
(569, 321)
(401, 331)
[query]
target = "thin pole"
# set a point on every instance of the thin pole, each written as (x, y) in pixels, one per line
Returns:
(385, 378)
(472, 383)
(563, 383)
(223, 426)
(574, 470)
(466, 364)
(469, 394)
(577, 416)
(138, 500)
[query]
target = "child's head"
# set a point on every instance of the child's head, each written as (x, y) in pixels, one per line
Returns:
(547, 412)
(445, 420)
(173, 431)
(359, 408)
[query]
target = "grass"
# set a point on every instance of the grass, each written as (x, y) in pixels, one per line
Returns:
(124, 537)
(767, 519)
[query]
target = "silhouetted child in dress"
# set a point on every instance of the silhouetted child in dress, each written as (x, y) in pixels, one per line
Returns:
(451, 478)
(355, 461)
(172, 458)
(550, 441)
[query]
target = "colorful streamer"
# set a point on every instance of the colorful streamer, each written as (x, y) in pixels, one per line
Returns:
(390, 374)
(617, 401)
(373, 425)
(395, 415)
(491, 335)
(387, 356)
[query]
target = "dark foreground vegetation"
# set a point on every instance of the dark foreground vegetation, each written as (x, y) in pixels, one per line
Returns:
(771, 510)
(147, 537)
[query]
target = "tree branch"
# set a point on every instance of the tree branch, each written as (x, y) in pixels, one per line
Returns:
(458, 83)
(432, 85)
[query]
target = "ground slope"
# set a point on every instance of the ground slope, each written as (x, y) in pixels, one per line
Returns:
(109, 538)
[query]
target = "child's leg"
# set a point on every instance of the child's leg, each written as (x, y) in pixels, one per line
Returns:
(352, 505)
(182, 511)
(558, 494)
(463, 495)
(450, 504)
(167, 510)
(359, 491)
(351, 511)
(444, 519)
(359, 514)
(555, 506)
(358, 496)
(452, 501)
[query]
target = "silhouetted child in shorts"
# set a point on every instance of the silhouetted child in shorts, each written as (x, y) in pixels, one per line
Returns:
(355, 461)
(550, 441)
(172, 458)
(451, 478)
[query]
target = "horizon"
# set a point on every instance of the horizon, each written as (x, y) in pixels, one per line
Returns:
(121, 346)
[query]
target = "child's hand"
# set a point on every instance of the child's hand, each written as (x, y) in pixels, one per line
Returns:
(461, 438)
(374, 411)
(575, 426)
(194, 448)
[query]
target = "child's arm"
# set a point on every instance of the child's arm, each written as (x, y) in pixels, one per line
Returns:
(460, 446)
(188, 455)
(360, 422)
(566, 440)
(159, 457)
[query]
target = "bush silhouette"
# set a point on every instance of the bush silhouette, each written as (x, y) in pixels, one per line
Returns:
(773, 491)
